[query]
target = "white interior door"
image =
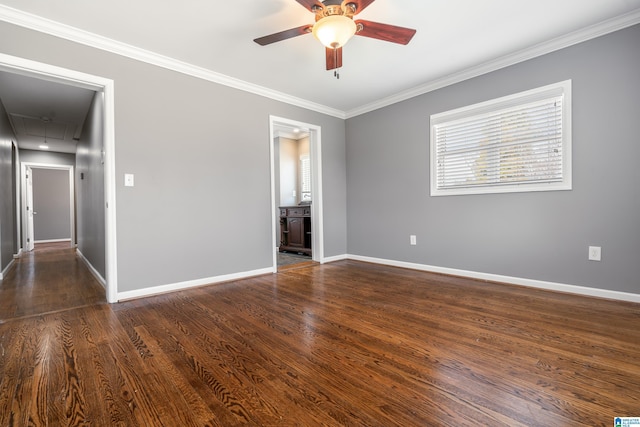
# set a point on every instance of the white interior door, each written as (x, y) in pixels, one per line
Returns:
(29, 208)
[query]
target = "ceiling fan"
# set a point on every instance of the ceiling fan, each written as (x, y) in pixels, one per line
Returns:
(334, 27)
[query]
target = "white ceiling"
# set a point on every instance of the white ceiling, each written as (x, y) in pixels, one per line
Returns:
(454, 38)
(40, 109)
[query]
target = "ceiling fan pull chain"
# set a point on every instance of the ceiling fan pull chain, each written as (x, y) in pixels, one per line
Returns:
(336, 72)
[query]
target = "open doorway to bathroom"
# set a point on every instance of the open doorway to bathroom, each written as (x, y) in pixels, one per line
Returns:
(296, 193)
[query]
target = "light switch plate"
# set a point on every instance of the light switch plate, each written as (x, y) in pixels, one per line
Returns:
(128, 180)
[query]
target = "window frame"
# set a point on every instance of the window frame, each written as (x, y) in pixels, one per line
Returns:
(560, 89)
(305, 171)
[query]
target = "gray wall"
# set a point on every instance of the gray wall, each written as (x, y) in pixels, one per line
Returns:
(193, 213)
(7, 216)
(51, 201)
(541, 236)
(90, 201)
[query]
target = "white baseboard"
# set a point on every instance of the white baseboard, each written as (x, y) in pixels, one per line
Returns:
(561, 287)
(334, 258)
(93, 271)
(15, 256)
(172, 287)
(7, 268)
(52, 241)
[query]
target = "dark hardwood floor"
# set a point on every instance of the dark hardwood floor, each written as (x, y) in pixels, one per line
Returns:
(49, 278)
(341, 344)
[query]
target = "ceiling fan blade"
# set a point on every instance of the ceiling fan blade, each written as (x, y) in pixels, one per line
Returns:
(283, 35)
(386, 32)
(334, 58)
(311, 4)
(360, 4)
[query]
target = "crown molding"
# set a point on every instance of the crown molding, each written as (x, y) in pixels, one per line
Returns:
(573, 38)
(57, 29)
(43, 25)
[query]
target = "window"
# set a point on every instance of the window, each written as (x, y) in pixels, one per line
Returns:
(517, 143)
(305, 178)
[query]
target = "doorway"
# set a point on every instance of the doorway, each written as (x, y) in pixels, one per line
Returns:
(105, 87)
(58, 216)
(310, 198)
(15, 179)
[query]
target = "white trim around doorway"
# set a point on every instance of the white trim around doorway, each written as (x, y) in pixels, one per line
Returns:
(317, 223)
(105, 86)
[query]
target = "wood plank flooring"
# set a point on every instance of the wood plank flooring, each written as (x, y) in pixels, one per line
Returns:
(49, 278)
(341, 344)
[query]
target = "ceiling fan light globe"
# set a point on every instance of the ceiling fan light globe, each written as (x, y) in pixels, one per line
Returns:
(334, 31)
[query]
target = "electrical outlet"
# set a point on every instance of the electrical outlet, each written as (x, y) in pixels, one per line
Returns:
(412, 240)
(595, 253)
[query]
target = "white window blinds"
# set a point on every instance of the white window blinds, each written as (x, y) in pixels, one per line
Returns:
(305, 178)
(305, 173)
(517, 143)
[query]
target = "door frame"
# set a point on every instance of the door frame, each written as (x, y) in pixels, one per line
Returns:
(315, 152)
(29, 232)
(105, 87)
(27, 201)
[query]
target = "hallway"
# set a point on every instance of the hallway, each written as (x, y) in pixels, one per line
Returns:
(48, 279)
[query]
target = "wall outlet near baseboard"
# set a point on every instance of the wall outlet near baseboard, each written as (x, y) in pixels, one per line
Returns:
(595, 253)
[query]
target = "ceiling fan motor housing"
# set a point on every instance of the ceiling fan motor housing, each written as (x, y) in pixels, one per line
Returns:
(335, 7)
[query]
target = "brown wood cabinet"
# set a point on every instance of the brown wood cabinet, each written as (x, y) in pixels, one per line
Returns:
(295, 229)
